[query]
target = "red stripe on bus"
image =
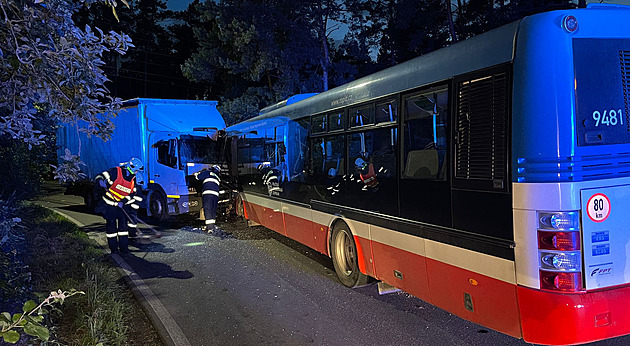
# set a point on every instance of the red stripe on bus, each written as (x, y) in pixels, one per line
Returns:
(360, 257)
(245, 209)
(412, 267)
(300, 229)
(267, 217)
(566, 319)
(494, 302)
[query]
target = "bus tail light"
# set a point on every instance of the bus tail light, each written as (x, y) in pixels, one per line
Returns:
(560, 258)
(565, 282)
(564, 241)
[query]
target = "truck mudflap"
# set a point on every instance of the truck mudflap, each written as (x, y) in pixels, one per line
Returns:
(606, 236)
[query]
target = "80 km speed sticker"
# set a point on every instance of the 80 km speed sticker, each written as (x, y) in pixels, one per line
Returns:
(598, 207)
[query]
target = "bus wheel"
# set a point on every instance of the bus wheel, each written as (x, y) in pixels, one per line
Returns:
(158, 207)
(344, 257)
(240, 210)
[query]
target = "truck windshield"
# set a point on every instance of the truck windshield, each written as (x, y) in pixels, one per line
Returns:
(194, 149)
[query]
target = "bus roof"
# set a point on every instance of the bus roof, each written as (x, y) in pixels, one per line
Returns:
(488, 49)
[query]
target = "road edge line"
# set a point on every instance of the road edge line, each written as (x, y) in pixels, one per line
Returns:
(168, 329)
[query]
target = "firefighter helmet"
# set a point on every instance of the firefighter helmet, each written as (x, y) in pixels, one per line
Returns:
(360, 163)
(134, 165)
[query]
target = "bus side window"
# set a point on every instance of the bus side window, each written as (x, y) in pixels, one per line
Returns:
(425, 135)
(378, 148)
(328, 153)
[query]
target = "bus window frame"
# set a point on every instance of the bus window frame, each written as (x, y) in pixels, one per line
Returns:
(434, 87)
(324, 119)
(363, 105)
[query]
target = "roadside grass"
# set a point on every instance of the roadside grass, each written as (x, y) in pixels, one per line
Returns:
(61, 256)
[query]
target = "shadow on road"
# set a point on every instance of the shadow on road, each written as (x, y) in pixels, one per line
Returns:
(143, 245)
(148, 270)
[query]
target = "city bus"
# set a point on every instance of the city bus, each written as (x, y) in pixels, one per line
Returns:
(490, 178)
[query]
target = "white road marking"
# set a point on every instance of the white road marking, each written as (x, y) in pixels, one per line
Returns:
(175, 333)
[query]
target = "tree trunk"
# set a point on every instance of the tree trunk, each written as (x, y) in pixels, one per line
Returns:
(451, 25)
(325, 61)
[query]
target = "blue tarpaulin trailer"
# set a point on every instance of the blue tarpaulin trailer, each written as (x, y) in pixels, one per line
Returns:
(173, 138)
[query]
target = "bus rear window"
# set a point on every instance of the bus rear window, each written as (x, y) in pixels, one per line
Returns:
(602, 76)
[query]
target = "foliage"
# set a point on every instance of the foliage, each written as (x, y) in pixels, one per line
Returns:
(23, 169)
(260, 52)
(477, 16)
(162, 44)
(31, 318)
(52, 69)
(70, 168)
(62, 256)
(15, 278)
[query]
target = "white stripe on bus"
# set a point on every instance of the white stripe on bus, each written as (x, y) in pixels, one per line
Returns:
(495, 267)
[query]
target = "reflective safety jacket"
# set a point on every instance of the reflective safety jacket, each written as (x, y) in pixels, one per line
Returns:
(211, 182)
(120, 186)
(369, 178)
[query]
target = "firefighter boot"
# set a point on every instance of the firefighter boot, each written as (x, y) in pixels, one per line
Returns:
(123, 243)
(112, 242)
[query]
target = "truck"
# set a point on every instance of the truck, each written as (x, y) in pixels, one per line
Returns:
(173, 138)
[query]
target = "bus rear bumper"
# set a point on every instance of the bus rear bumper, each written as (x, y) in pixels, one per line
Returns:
(550, 318)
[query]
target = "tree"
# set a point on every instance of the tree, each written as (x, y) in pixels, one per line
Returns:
(163, 42)
(323, 17)
(52, 69)
(399, 30)
(257, 50)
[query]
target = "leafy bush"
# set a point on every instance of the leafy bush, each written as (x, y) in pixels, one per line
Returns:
(31, 318)
(64, 257)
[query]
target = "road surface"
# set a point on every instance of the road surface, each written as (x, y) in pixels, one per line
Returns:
(255, 287)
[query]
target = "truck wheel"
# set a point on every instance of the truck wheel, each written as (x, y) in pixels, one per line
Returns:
(344, 257)
(158, 206)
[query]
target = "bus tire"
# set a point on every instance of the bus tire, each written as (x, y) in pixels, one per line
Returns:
(345, 258)
(239, 208)
(158, 207)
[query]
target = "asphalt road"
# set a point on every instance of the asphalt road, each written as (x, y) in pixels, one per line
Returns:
(255, 287)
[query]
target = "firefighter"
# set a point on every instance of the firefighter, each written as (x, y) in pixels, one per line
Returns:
(119, 184)
(210, 195)
(131, 206)
(367, 174)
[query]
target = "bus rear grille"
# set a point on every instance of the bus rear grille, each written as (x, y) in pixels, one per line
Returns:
(576, 168)
(624, 60)
(481, 127)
